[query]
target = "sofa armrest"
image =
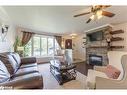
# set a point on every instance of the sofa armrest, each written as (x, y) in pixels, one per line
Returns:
(104, 83)
(100, 68)
(27, 60)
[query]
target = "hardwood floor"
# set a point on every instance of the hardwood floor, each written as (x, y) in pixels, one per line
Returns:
(82, 67)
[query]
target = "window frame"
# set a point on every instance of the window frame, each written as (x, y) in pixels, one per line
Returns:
(33, 45)
(47, 52)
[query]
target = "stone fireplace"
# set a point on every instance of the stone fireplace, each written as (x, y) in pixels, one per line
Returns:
(98, 56)
(97, 44)
(96, 51)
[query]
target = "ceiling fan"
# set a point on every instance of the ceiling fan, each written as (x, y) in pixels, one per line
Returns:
(97, 12)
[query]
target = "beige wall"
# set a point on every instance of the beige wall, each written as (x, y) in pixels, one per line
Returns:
(78, 50)
(7, 45)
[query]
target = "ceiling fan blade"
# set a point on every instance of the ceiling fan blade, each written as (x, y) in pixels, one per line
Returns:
(88, 20)
(103, 6)
(82, 14)
(108, 14)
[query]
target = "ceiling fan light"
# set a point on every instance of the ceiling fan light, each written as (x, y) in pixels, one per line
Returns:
(99, 14)
(73, 35)
(92, 17)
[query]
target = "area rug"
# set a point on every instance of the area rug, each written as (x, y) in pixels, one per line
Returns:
(51, 83)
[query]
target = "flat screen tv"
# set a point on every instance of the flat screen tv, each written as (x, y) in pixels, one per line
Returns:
(96, 36)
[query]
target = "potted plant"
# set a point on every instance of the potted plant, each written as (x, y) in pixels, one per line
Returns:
(18, 46)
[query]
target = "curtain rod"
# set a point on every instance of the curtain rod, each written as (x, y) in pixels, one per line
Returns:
(44, 33)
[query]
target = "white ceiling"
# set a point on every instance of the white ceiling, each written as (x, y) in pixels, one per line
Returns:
(59, 19)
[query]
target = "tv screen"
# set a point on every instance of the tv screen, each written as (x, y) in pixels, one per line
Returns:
(96, 36)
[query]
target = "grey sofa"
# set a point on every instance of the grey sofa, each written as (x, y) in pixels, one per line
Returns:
(19, 73)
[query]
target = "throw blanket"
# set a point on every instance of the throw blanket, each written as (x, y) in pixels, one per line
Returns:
(112, 72)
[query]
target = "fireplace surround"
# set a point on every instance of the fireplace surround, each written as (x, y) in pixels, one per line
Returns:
(95, 60)
(97, 52)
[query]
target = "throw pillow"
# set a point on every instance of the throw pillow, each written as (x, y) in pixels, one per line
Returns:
(13, 63)
(17, 58)
(112, 72)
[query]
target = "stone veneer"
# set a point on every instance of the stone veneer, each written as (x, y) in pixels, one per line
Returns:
(97, 51)
(97, 48)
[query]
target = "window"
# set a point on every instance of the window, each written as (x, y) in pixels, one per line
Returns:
(36, 46)
(41, 45)
(44, 46)
(50, 46)
(56, 45)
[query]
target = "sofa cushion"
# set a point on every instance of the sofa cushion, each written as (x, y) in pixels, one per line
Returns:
(4, 74)
(23, 71)
(28, 60)
(4, 58)
(16, 58)
(13, 62)
(32, 80)
(28, 65)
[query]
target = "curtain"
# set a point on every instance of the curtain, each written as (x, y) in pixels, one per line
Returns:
(59, 40)
(26, 37)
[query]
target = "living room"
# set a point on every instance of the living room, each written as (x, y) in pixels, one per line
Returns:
(35, 39)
